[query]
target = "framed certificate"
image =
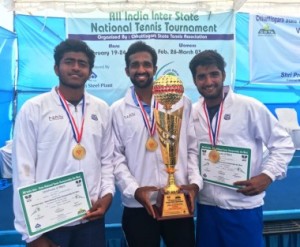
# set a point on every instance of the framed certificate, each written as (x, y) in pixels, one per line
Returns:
(54, 203)
(224, 165)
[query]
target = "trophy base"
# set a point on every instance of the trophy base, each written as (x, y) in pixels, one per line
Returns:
(172, 206)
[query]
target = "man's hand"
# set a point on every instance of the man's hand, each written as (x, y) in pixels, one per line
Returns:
(254, 185)
(142, 196)
(42, 242)
(192, 190)
(99, 208)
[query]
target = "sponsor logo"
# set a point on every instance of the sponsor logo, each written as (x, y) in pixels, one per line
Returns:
(55, 117)
(93, 76)
(130, 115)
(94, 117)
(227, 116)
(164, 70)
(266, 31)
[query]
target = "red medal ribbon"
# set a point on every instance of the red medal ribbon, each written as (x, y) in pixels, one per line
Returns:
(213, 133)
(76, 133)
(151, 128)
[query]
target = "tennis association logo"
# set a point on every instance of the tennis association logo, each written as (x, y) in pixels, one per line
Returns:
(266, 31)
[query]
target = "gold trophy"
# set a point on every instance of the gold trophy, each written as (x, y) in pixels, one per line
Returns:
(171, 201)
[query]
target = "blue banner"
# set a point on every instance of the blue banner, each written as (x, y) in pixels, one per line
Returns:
(274, 49)
(37, 37)
(176, 36)
(7, 72)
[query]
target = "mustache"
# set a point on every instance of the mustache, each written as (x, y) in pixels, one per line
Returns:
(77, 74)
(144, 74)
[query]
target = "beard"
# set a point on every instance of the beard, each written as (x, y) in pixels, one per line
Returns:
(69, 84)
(144, 84)
(211, 96)
(218, 92)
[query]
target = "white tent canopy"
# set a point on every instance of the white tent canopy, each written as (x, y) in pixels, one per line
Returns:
(274, 7)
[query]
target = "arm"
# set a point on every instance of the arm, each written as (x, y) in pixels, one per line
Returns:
(192, 190)
(107, 164)
(126, 183)
(254, 185)
(192, 150)
(128, 149)
(107, 190)
(23, 160)
(281, 150)
(194, 177)
(142, 196)
(99, 208)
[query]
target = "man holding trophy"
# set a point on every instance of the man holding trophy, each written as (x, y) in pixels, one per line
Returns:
(156, 163)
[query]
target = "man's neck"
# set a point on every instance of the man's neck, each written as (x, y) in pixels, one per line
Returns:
(213, 102)
(144, 94)
(72, 95)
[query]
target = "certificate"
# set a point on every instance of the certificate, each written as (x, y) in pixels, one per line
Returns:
(232, 165)
(54, 203)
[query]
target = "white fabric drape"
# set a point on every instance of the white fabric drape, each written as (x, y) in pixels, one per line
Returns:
(272, 7)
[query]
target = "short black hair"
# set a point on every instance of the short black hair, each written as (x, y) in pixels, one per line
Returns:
(140, 46)
(207, 58)
(74, 45)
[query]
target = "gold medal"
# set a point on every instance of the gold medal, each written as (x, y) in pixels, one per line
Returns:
(151, 144)
(214, 156)
(78, 152)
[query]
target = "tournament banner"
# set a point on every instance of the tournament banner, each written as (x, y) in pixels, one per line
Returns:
(274, 49)
(175, 36)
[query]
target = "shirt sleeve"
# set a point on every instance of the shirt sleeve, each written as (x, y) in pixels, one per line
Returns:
(124, 179)
(23, 160)
(278, 142)
(194, 176)
(107, 165)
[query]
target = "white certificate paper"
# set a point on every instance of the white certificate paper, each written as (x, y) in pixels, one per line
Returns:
(233, 166)
(54, 203)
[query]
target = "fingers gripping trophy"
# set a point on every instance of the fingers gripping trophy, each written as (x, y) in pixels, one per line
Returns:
(171, 201)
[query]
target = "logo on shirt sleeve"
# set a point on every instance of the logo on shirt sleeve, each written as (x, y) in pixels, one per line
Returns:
(227, 116)
(94, 117)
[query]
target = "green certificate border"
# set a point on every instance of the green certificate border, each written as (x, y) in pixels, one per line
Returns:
(27, 190)
(228, 149)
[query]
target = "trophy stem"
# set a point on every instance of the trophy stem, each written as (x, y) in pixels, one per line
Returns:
(171, 186)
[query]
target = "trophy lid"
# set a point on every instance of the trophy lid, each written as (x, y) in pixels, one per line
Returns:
(168, 90)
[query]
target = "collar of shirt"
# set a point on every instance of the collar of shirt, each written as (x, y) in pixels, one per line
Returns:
(146, 107)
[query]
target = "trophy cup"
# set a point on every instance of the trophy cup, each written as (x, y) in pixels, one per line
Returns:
(171, 201)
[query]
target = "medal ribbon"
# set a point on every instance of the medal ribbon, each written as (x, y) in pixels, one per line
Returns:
(151, 128)
(76, 134)
(213, 133)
